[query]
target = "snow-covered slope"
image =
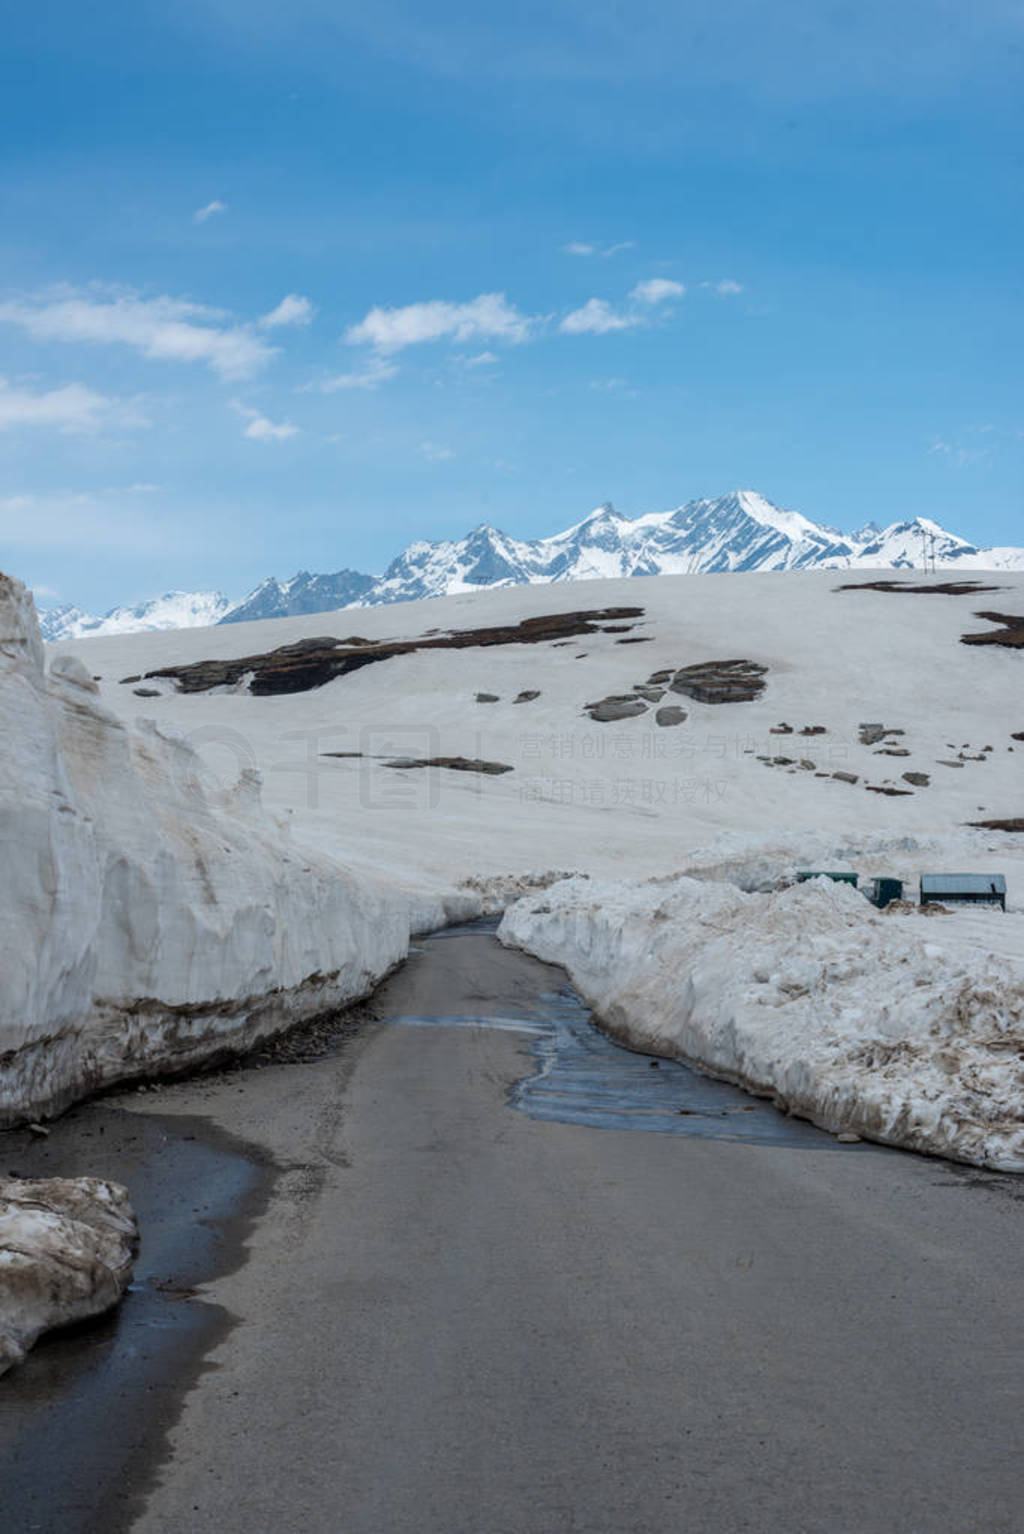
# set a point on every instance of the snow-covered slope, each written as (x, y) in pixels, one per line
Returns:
(739, 531)
(629, 794)
(147, 917)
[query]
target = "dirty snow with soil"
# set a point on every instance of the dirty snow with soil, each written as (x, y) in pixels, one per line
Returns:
(66, 1252)
(736, 797)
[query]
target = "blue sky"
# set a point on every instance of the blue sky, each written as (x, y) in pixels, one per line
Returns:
(288, 287)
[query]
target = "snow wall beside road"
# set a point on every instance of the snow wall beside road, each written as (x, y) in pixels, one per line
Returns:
(901, 1028)
(147, 921)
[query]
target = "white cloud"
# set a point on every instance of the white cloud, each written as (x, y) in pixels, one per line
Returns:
(488, 317)
(596, 318)
(375, 372)
(433, 453)
(726, 288)
(656, 290)
(167, 329)
(292, 310)
(202, 214)
(260, 428)
(480, 360)
(583, 248)
(71, 408)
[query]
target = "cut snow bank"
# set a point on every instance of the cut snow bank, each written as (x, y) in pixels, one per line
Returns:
(146, 921)
(66, 1251)
(906, 1031)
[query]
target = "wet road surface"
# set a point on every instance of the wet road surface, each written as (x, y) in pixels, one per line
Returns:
(481, 1302)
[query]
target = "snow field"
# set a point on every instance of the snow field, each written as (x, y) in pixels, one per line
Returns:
(629, 798)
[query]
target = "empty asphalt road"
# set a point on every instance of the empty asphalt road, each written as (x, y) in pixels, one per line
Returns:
(458, 1318)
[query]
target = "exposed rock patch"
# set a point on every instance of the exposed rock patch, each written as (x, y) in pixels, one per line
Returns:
(721, 681)
(527, 696)
(455, 763)
(1013, 824)
(310, 663)
(610, 709)
(670, 715)
(1010, 635)
(487, 697)
(917, 779)
(911, 588)
(871, 734)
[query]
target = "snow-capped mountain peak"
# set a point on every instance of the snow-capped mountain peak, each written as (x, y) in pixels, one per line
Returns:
(173, 610)
(742, 530)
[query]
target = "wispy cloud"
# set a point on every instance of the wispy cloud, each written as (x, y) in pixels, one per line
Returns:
(596, 318)
(376, 372)
(292, 310)
(613, 386)
(70, 408)
(211, 208)
(960, 455)
(725, 287)
(488, 317)
(260, 428)
(657, 290)
(434, 453)
(584, 248)
(480, 360)
(166, 329)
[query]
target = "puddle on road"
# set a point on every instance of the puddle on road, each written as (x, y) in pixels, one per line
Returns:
(584, 1077)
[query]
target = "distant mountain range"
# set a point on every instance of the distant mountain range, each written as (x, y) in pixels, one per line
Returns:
(739, 531)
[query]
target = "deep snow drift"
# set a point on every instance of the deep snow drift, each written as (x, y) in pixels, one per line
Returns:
(66, 1252)
(893, 1025)
(147, 920)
